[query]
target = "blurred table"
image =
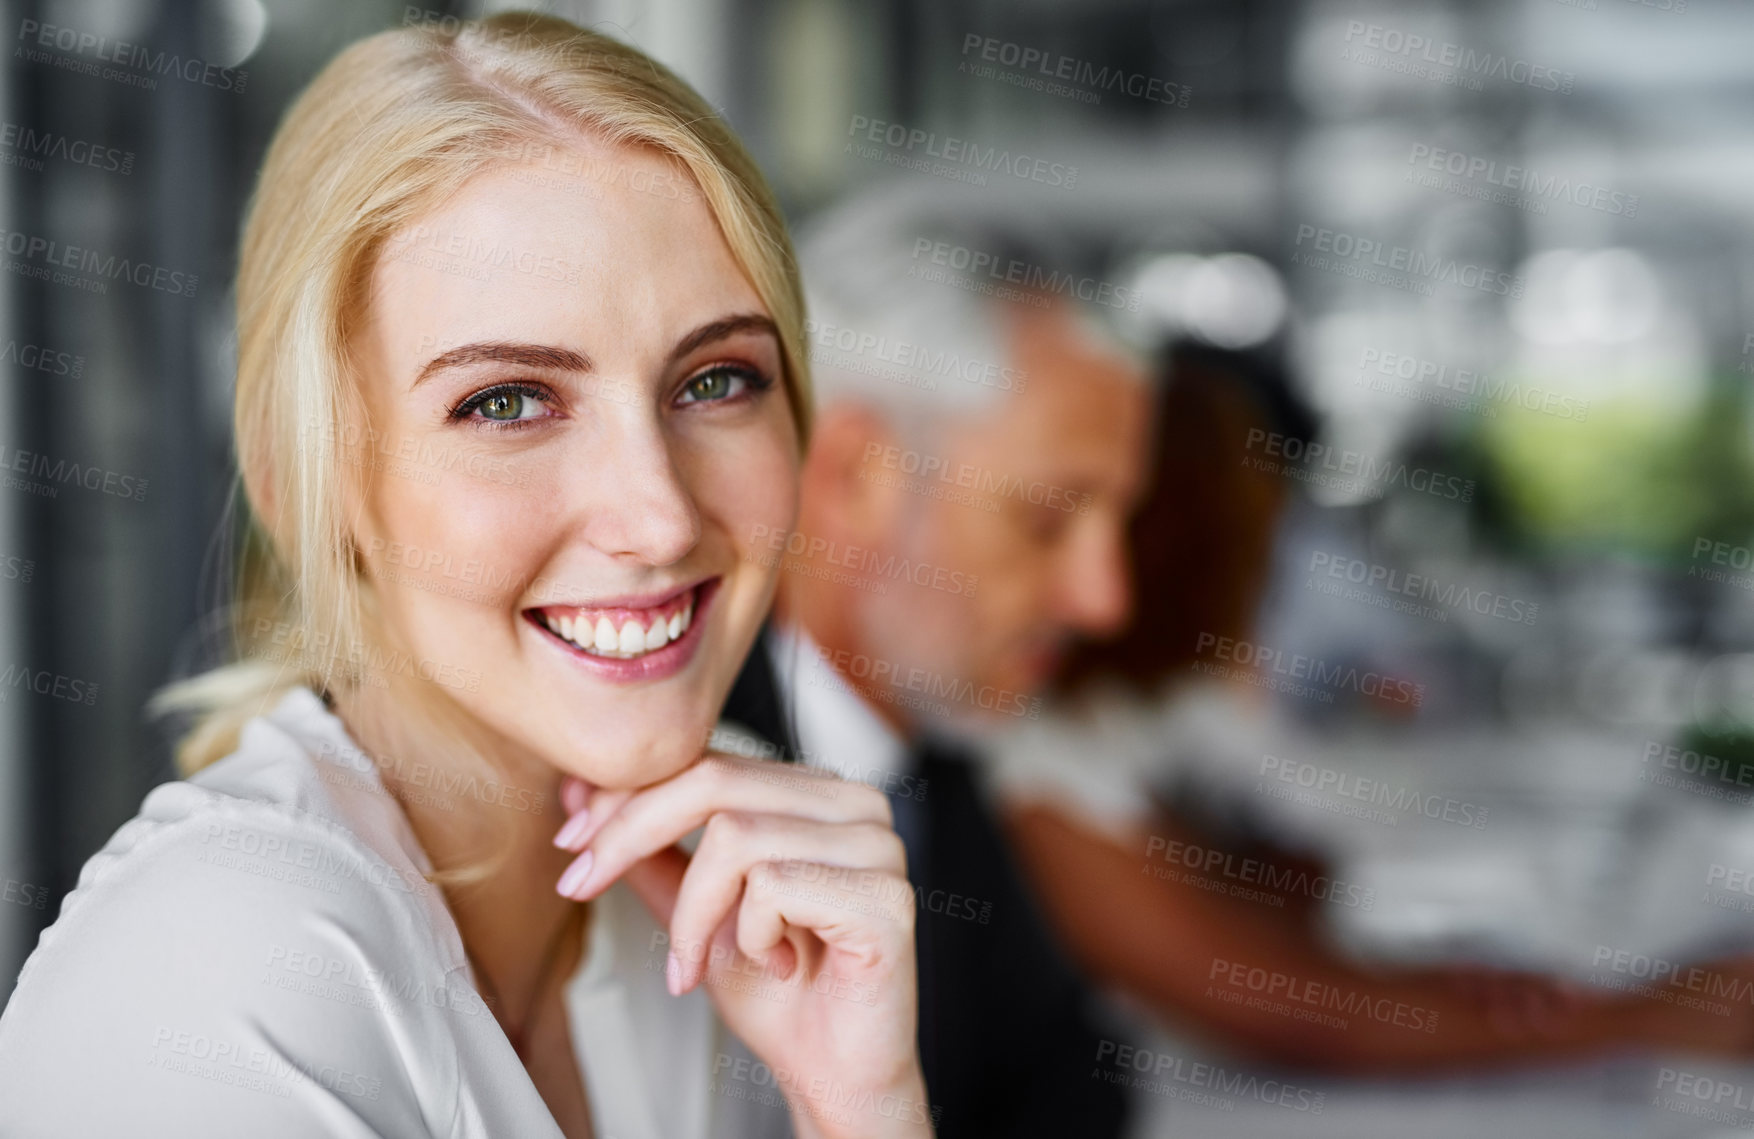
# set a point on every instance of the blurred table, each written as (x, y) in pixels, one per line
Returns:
(1561, 850)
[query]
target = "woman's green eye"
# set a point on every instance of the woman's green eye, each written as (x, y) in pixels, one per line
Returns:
(503, 405)
(709, 385)
(508, 404)
(723, 383)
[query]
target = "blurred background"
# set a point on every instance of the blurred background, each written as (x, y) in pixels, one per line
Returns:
(1491, 263)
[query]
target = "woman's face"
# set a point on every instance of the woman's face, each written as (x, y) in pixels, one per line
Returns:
(578, 429)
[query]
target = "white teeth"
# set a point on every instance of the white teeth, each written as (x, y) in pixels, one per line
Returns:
(633, 640)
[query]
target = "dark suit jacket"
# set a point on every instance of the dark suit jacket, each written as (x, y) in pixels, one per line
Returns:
(1005, 1038)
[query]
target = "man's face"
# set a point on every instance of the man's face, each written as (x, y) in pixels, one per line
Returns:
(1031, 501)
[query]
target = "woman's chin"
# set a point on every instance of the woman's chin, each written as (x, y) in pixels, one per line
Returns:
(635, 763)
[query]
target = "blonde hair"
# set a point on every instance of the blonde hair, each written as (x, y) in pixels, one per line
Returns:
(392, 127)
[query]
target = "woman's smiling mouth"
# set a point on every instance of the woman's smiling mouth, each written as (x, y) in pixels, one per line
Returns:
(632, 638)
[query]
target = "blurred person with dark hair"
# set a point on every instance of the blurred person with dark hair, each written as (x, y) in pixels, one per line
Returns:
(1078, 803)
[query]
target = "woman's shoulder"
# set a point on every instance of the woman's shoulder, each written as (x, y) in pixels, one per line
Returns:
(289, 823)
(261, 928)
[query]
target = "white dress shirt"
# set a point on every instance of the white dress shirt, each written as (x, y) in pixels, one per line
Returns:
(258, 953)
(837, 731)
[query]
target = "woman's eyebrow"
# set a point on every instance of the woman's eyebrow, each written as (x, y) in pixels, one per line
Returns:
(543, 356)
(552, 358)
(722, 328)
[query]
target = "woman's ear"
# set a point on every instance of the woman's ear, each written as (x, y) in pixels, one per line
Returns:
(260, 493)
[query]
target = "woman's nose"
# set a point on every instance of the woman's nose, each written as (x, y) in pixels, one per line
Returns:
(635, 497)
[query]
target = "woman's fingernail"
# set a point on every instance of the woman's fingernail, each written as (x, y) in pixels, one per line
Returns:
(673, 974)
(573, 830)
(574, 794)
(576, 874)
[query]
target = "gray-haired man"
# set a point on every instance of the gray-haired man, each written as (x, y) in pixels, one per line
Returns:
(978, 446)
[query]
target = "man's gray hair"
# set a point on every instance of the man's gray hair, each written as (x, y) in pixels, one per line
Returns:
(904, 312)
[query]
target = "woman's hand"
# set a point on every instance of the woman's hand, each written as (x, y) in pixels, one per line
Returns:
(796, 912)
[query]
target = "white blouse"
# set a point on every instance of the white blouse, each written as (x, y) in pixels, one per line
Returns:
(258, 953)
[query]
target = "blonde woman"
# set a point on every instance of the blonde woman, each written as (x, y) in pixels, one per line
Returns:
(520, 384)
